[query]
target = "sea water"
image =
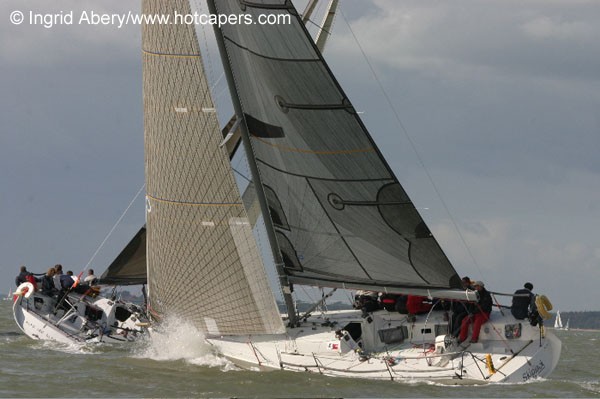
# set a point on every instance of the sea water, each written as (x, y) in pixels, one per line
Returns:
(177, 363)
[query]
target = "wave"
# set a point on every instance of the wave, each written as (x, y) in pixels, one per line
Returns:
(72, 348)
(591, 386)
(175, 340)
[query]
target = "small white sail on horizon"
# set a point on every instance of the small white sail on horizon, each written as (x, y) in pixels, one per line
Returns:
(558, 324)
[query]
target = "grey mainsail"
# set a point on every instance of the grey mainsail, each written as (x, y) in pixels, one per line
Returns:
(203, 262)
(340, 216)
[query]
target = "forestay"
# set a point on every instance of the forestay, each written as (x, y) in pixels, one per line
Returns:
(203, 263)
(340, 215)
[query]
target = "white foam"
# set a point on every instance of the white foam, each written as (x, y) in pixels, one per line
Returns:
(593, 386)
(177, 340)
(72, 348)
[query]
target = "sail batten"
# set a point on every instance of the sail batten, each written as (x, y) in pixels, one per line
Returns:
(170, 54)
(233, 42)
(341, 216)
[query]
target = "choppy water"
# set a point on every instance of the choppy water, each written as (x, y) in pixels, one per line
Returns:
(181, 365)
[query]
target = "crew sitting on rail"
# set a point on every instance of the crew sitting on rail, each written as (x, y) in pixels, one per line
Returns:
(417, 305)
(26, 277)
(460, 309)
(366, 301)
(90, 279)
(67, 280)
(22, 277)
(48, 283)
(480, 313)
(523, 302)
(68, 283)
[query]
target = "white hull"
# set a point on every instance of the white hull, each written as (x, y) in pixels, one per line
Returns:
(314, 347)
(86, 320)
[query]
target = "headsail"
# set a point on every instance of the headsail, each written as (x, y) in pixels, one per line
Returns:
(340, 215)
(129, 268)
(203, 263)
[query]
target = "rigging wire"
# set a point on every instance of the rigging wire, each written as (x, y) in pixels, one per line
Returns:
(207, 59)
(242, 175)
(411, 142)
(114, 227)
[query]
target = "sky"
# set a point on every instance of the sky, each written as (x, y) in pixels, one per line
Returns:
(487, 111)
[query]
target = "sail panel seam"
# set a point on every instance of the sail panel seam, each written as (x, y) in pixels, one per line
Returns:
(410, 260)
(285, 106)
(268, 57)
(152, 53)
(373, 203)
(264, 6)
(175, 202)
(323, 178)
(305, 151)
(342, 238)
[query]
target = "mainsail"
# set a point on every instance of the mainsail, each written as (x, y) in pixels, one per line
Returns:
(339, 214)
(203, 263)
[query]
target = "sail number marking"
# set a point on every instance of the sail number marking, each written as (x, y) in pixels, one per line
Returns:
(534, 371)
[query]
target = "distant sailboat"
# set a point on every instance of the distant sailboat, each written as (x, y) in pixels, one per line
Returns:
(9, 296)
(335, 215)
(558, 321)
(567, 325)
(558, 324)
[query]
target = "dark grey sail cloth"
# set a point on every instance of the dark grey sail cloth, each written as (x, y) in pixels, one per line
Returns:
(341, 217)
(129, 268)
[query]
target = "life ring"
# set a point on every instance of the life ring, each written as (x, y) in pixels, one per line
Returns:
(544, 306)
(25, 289)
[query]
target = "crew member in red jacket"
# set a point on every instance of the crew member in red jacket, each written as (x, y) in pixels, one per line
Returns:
(480, 313)
(417, 304)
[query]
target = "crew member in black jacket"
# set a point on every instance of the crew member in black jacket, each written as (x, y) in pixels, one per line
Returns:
(523, 302)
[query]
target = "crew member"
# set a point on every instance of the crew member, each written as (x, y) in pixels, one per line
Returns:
(479, 314)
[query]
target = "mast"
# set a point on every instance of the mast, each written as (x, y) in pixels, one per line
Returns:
(283, 279)
(325, 29)
(310, 7)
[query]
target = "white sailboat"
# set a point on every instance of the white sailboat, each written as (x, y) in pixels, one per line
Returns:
(558, 324)
(8, 296)
(82, 314)
(334, 212)
(76, 318)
